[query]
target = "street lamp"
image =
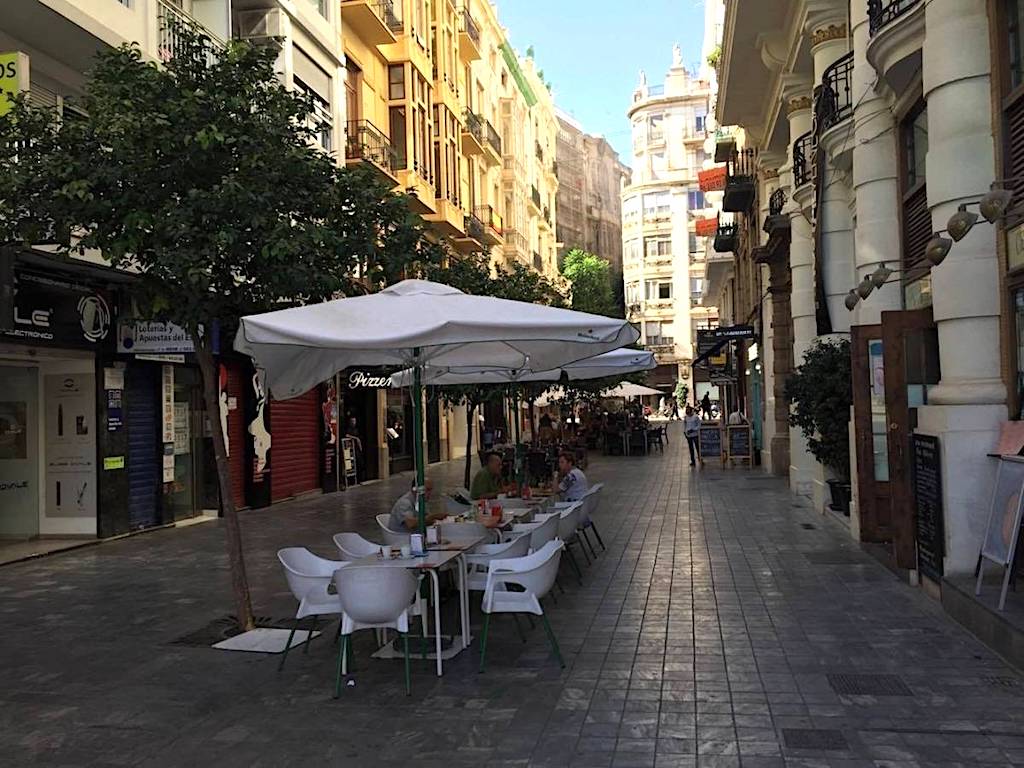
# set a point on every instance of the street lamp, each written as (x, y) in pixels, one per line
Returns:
(994, 204)
(937, 249)
(851, 300)
(960, 223)
(880, 275)
(865, 287)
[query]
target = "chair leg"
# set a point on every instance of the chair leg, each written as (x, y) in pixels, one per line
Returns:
(408, 678)
(551, 637)
(483, 640)
(598, 535)
(583, 549)
(309, 636)
(586, 538)
(575, 565)
(341, 666)
(337, 632)
(287, 645)
(519, 628)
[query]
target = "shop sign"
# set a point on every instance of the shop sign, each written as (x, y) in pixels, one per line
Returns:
(13, 77)
(363, 379)
(180, 359)
(113, 462)
(167, 404)
(150, 337)
(1015, 247)
(114, 413)
(52, 311)
(752, 352)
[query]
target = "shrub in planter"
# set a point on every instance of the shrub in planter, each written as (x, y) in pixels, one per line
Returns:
(820, 394)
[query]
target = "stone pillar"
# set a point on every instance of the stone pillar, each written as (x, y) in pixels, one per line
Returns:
(826, 25)
(771, 434)
(967, 407)
(876, 192)
(797, 102)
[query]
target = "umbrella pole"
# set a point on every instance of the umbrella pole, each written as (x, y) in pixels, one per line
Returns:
(417, 436)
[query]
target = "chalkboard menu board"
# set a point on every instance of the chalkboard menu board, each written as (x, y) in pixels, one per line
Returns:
(927, 481)
(710, 440)
(739, 442)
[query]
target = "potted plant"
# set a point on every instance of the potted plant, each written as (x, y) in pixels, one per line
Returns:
(819, 394)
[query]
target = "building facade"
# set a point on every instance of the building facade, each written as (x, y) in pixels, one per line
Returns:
(590, 182)
(871, 131)
(662, 254)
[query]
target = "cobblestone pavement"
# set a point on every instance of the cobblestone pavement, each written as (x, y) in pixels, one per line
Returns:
(727, 624)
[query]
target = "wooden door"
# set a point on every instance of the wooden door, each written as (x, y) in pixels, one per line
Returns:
(874, 489)
(911, 367)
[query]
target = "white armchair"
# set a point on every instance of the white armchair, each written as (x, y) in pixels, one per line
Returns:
(309, 577)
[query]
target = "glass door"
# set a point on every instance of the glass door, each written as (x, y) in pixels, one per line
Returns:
(19, 452)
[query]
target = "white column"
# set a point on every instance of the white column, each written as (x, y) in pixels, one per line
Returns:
(967, 407)
(797, 102)
(875, 183)
(770, 163)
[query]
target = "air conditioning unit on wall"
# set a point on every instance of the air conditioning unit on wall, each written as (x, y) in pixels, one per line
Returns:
(265, 24)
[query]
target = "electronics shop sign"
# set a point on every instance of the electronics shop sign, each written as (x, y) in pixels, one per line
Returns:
(51, 311)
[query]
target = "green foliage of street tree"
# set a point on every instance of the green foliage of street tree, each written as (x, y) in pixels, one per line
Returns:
(820, 394)
(590, 280)
(682, 393)
(200, 175)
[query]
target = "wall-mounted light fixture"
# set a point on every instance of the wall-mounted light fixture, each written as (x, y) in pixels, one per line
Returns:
(873, 280)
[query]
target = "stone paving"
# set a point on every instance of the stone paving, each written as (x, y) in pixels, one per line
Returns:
(721, 628)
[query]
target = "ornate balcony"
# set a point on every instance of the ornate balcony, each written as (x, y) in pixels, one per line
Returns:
(171, 20)
(472, 134)
(469, 37)
(515, 243)
(535, 200)
(365, 143)
(493, 231)
(884, 12)
(473, 237)
(834, 102)
(740, 180)
(776, 221)
(374, 21)
(804, 149)
(726, 237)
(492, 144)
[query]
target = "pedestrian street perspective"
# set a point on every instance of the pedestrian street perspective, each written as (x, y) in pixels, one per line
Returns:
(511, 383)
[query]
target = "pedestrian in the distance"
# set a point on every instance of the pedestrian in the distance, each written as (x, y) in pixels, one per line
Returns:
(675, 409)
(691, 428)
(705, 406)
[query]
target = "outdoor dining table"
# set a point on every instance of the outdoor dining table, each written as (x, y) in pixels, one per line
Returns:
(436, 557)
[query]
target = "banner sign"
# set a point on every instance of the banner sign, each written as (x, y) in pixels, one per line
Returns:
(13, 77)
(149, 337)
(54, 311)
(706, 227)
(712, 180)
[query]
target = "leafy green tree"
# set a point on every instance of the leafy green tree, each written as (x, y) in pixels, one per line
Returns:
(590, 278)
(820, 394)
(682, 393)
(200, 175)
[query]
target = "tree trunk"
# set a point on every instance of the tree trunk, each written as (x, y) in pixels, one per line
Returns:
(236, 559)
(470, 410)
(533, 424)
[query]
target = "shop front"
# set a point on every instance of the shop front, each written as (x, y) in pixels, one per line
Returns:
(398, 430)
(361, 397)
(55, 334)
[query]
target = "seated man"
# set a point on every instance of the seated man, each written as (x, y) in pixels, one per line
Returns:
(487, 482)
(573, 483)
(404, 516)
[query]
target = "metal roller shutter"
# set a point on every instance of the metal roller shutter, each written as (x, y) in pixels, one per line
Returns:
(294, 445)
(144, 460)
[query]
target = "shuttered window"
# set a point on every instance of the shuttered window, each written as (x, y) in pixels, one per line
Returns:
(295, 445)
(917, 220)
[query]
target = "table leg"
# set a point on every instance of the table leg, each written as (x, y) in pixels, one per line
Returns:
(435, 587)
(463, 602)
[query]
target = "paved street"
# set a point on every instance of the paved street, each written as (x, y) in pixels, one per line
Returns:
(725, 625)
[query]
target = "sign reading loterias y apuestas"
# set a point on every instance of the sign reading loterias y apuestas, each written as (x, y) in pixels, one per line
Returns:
(13, 77)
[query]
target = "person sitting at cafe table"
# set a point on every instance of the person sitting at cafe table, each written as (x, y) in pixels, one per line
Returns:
(405, 517)
(572, 482)
(487, 482)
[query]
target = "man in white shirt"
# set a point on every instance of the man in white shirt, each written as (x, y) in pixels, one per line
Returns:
(691, 428)
(404, 515)
(573, 483)
(736, 418)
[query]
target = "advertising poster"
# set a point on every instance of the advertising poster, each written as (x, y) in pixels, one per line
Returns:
(70, 445)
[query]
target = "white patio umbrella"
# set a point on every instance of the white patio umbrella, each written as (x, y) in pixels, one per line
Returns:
(628, 389)
(417, 323)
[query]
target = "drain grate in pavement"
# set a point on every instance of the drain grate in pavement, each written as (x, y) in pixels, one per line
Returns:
(869, 685)
(834, 557)
(809, 526)
(226, 627)
(1009, 683)
(812, 738)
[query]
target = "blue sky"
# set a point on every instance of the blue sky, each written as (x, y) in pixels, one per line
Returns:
(592, 50)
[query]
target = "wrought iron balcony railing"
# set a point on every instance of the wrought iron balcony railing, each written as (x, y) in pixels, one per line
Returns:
(516, 240)
(469, 26)
(834, 102)
(490, 217)
(884, 12)
(777, 202)
(364, 141)
(171, 21)
(474, 125)
(535, 196)
(492, 136)
(538, 264)
(474, 227)
(803, 159)
(740, 180)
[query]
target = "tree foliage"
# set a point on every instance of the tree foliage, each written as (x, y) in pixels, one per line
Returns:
(820, 394)
(590, 279)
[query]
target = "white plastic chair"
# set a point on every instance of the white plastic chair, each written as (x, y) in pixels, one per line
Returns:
(536, 575)
(568, 525)
(478, 560)
(308, 577)
(394, 538)
(354, 547)
(463, 532)
(374, 597)
(591, 499)
(540, 533)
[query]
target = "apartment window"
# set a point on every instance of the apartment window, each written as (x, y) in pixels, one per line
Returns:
(657, 205)
(399, 141)
(700, 122)
(631, 251)
(693, 242)
(656, 128)
(695, 200)
(320, 119)
(696, 286)
(396, 82)
(658, 289)
(656, 247)
(652, 329)
(1015, 34)
(915, 146)
(630, 209)
(353, 91)
(633, 293)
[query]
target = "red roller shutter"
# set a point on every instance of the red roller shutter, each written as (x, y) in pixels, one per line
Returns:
(233, 383)
(294, 445)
